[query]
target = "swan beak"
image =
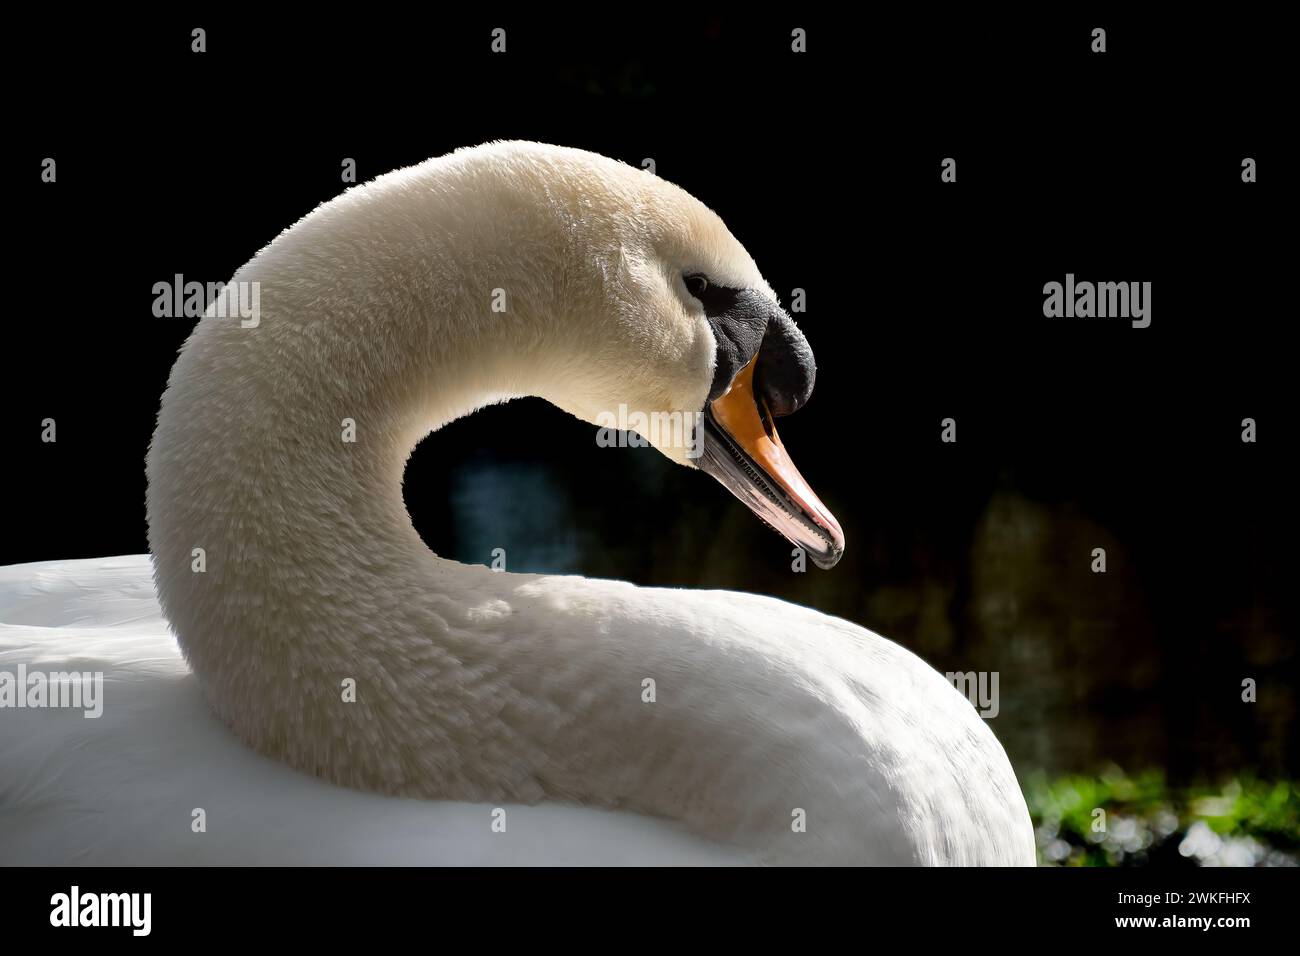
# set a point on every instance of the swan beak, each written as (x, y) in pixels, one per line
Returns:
(743, 451)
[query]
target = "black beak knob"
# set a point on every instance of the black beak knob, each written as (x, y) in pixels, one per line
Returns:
(786, 371)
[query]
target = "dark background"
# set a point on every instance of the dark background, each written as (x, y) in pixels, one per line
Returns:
(924, 301)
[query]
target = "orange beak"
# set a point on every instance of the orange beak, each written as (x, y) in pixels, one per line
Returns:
(743, 451)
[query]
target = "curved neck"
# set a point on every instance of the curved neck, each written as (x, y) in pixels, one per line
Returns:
(278, 457)
(374, 330)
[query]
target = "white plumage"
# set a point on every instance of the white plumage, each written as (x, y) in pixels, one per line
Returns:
(494, 690)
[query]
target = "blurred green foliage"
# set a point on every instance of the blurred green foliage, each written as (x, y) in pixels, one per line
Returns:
(1117, 819)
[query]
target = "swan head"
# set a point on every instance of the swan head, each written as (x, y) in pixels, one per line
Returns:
(687, 345)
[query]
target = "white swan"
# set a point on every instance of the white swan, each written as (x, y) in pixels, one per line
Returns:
(777, 734)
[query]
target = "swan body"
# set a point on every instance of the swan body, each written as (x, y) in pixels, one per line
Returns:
(287, 567)
(123, 788)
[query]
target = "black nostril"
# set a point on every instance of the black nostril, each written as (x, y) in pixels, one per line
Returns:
(785, 372)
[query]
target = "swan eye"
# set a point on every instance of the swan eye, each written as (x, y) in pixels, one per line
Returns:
(696, 285)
